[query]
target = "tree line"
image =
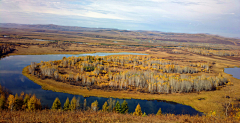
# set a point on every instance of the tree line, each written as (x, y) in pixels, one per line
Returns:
(209, 52)
(21, 102)
(31, 103)
(27, 102)
(109, 106)
(6, 48)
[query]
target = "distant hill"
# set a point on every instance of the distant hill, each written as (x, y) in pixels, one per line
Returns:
(49, 27)
(126, 34)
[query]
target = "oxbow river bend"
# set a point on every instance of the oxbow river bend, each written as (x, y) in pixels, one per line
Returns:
(11, 77)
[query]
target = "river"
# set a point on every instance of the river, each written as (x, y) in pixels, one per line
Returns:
(11, 77)
(235, 72)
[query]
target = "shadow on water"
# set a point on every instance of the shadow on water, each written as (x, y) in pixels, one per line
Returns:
(11, 77)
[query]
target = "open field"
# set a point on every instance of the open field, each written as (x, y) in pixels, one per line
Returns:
(102, 117)
(156, 44)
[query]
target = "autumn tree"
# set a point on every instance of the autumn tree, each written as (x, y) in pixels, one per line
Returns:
(31, 103)
(56, 104)
(73, 105)
(138, 111)
(18, 102)
(159, 112)
(25, 101)
(66, 105)
(11, 101)
(84, 104)
(111, 104)
(94, 106)
(2, 102)
(124, 107)
(118, 107)
(34, 103)
(78, 103)
(105, 107)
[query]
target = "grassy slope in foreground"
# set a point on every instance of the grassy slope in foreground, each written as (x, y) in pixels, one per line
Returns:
(212, 99)
(102, 117)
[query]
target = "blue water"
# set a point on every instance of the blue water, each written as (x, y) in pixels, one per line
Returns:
(11, 77)
(235, 72)
(43, 40)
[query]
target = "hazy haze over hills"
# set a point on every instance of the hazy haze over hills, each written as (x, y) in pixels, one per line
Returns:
(187, 16)
(113, 34)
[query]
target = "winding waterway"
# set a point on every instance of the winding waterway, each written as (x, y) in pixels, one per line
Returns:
(11, 77)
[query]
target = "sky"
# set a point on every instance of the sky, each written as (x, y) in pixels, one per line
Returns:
(221, 17)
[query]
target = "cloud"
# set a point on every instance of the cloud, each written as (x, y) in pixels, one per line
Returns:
(122, 10)
(120, 13)
(57, 8)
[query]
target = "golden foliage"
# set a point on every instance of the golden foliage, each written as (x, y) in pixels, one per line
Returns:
(138, 111)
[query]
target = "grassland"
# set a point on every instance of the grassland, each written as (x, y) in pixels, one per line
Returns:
(102, 117)
(65, 43)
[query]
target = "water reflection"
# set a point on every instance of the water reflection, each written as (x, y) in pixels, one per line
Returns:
(11, 77)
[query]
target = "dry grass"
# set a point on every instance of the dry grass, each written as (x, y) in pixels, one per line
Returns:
(98, 117)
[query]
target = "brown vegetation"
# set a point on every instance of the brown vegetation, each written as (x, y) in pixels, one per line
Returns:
(5, 49)
(39, 40)
(99, 116)
(217, 52)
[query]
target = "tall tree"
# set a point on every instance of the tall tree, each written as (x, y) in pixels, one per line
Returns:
(159, 112)
(18, 103)
(2, 102)
(84, 104)
(111, 104)
(56, 104)
(66, 105)
(11, 101)
(118, 107)
(34, 103)
(105, 106)
(31, 103)
(26, 99)
(124, 107)
(94, 106)
(138, 111)
(73, 105)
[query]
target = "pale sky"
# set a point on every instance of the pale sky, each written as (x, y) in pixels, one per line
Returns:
(220, 17)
